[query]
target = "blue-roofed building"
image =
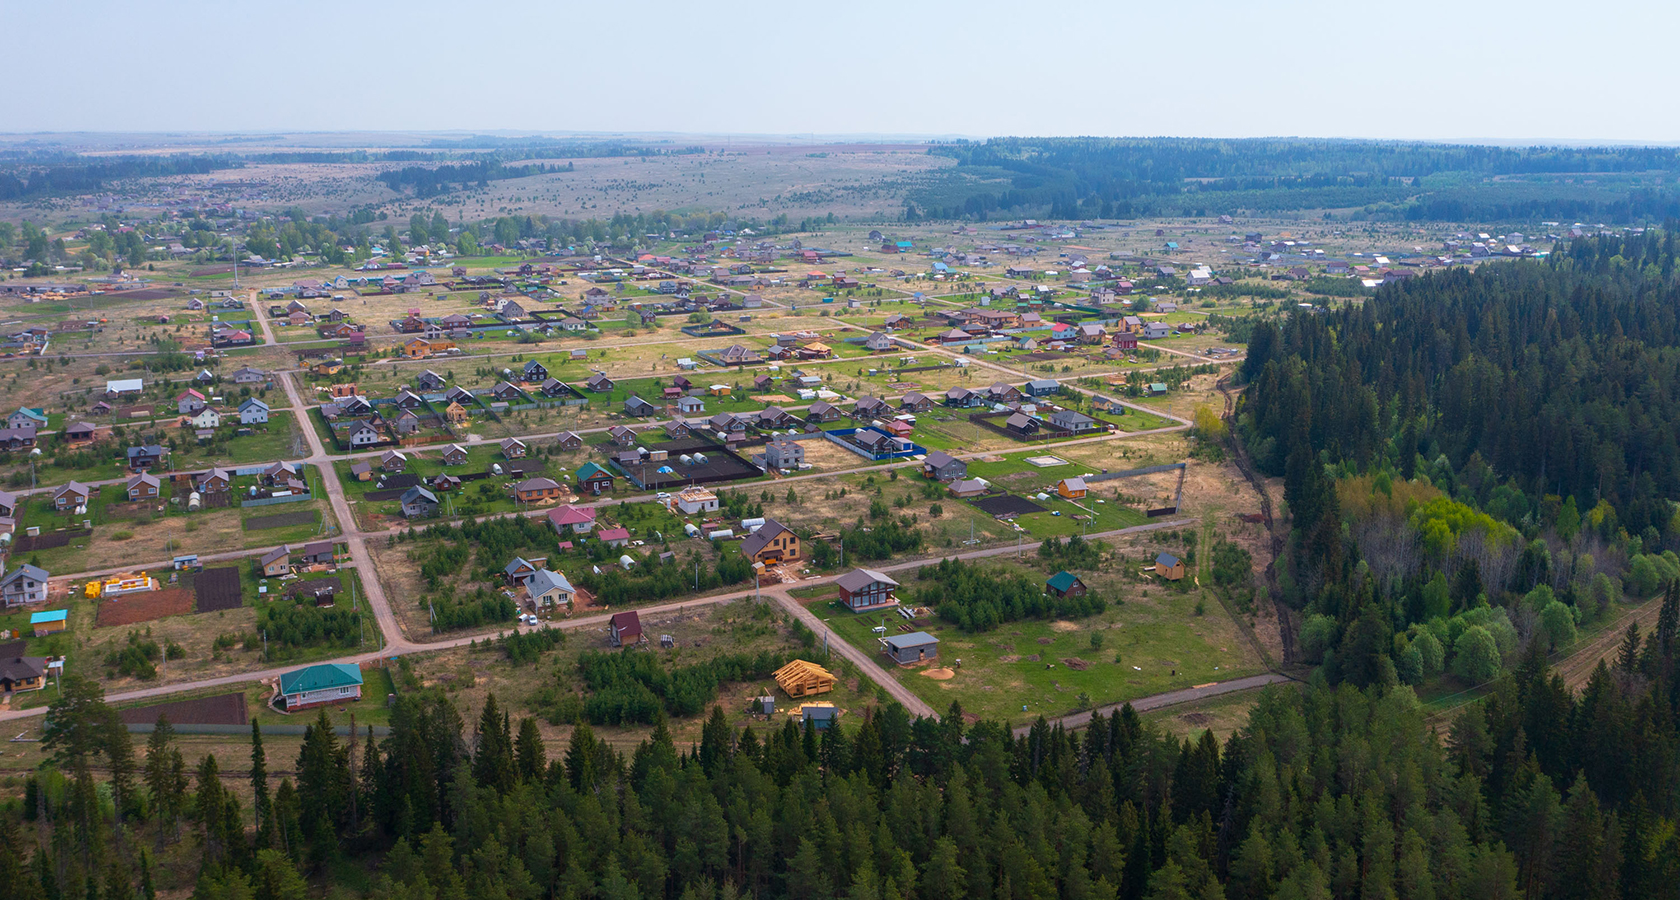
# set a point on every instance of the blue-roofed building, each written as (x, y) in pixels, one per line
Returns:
(48, 622)
(320, 685)
(1169, 567)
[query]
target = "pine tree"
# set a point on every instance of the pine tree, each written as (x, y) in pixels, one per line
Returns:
(1627, 658)
(533, 757)
(158, 775)
(261, 806)
(493, 763)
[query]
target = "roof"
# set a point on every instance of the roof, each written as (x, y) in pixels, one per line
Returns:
(1074, 484)
(571, 515)
(591, 470)
(418, 493)
(275, 554)
(913, 639)
(252, 402)
(321, 677)
(759, 539)
(614, 534)
(125, 385)
(26, 570)
(536, 484)
(1166, 559)
(939, 459)
(52, 615)
(1061, 581)
(858, 579)
(627, 623)
(544, 581)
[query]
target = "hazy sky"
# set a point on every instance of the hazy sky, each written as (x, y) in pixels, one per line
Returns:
(1431, 69)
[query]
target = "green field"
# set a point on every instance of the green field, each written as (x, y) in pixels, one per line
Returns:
(1160, 642)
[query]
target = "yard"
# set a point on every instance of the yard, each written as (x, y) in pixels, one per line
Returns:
(1152, 642)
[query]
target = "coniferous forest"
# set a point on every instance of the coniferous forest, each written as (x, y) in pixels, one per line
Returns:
(1478, 465)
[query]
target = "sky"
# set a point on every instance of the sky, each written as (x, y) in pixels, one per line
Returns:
(1423, 69)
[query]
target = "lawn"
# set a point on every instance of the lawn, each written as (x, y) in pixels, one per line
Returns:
(1151, 643)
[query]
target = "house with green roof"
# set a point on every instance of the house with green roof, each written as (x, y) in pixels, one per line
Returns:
(592, 479)
(1065, 584)
(319, 685)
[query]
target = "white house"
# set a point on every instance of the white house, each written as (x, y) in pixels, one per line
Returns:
(253, 412)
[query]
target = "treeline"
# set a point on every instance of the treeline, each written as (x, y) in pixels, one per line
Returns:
(976, 597)
(1324, 792)
(429, 181)
(33, 178)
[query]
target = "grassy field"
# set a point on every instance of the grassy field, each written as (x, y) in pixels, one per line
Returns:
(1154, 641)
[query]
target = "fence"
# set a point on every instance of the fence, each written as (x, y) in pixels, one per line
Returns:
(270, 501)
(340, 730)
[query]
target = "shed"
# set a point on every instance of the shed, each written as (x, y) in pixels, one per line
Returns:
(625, 627)
(49, 622)
(1169, 567)
(915, 647)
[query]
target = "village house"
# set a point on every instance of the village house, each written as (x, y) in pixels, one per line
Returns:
(572, 519)
(569, 441)
(771, 543)
(320, 685)
(594, 480)
(189, 402)
(1065, 584)
(455, 455)
(513, 448)
(275, 563)
(71, 496)
(547, 591)
(866, 590)
(1071, 488)
(783, 456)
(538, 490)
(144, 486)
(943, 467)
(24, 585)
(417, 503)
(253, 412)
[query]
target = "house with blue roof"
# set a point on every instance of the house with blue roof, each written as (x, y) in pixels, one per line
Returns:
(320, 685)
(49, 622)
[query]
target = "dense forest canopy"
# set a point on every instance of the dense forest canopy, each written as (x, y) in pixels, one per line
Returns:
(1125, 177)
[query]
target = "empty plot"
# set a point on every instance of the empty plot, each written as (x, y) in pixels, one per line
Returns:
(217, 589)
(222, 709)
(1007, 506)
(131, 608)
(284, 520)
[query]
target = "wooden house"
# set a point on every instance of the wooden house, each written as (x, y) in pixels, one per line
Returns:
(804, 679)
